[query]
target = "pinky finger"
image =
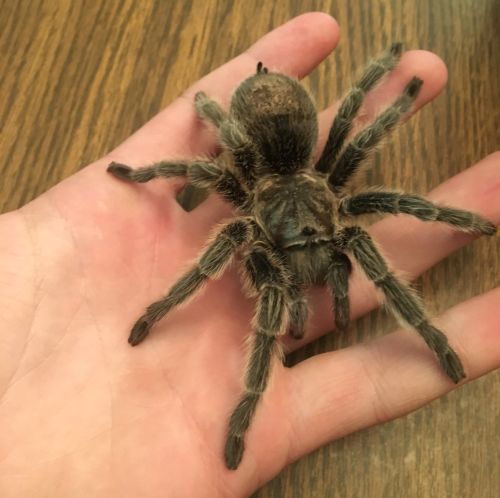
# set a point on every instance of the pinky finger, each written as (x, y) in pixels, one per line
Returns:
(337, 393)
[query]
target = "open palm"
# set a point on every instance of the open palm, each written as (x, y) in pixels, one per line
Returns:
(83, 412)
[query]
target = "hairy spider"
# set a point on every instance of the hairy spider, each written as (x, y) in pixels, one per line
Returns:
(292, 214)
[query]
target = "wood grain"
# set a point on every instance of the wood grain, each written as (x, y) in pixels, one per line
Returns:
(78, 77)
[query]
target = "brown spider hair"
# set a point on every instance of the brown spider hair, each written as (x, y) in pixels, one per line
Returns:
(292, 222)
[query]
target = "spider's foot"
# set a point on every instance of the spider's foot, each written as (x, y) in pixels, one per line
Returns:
(296, 332)
(342, 323)
(233, 452)
(451, 364)
(413, 87)
(200, 96)
(120, 170)
(487, 228)
(139, 332)
(396, 49)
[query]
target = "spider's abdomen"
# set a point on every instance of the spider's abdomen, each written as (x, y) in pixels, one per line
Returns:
(279, 117)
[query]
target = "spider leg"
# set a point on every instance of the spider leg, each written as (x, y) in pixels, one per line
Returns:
(298, 311)
(349, 107)
(245, 156)
(368, 138)
(270, 280)
(378, 201)
(190, 195)
(200, 173)
(166, 169)
(402, 300)
(231, 135)
(208, 109)
(338, 281)
(211, 264)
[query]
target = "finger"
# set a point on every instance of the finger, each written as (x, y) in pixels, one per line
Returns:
(337, 393)
(294, 48)
(426, 65)
(412, 246)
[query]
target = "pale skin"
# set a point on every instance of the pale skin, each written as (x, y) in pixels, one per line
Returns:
(84, 414)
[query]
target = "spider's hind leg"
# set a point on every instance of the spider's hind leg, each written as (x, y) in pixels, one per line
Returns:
(367, 139)
(208, 109)
(190, 196)
(343, 121)
(232, 136)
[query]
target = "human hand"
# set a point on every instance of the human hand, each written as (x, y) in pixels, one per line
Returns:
(84, 413)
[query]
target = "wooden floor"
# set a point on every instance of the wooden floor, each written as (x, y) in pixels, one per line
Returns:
(77, 77)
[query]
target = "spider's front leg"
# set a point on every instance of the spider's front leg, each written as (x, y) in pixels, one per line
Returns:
(270, 279)
(211, 264)
(298, 311)
(401, 299)
(338, 282)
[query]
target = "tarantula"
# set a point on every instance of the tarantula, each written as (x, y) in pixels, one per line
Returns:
(292, 214)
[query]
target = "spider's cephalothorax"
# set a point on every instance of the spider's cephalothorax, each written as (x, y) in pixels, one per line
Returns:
(292, 220)
(290, 211)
